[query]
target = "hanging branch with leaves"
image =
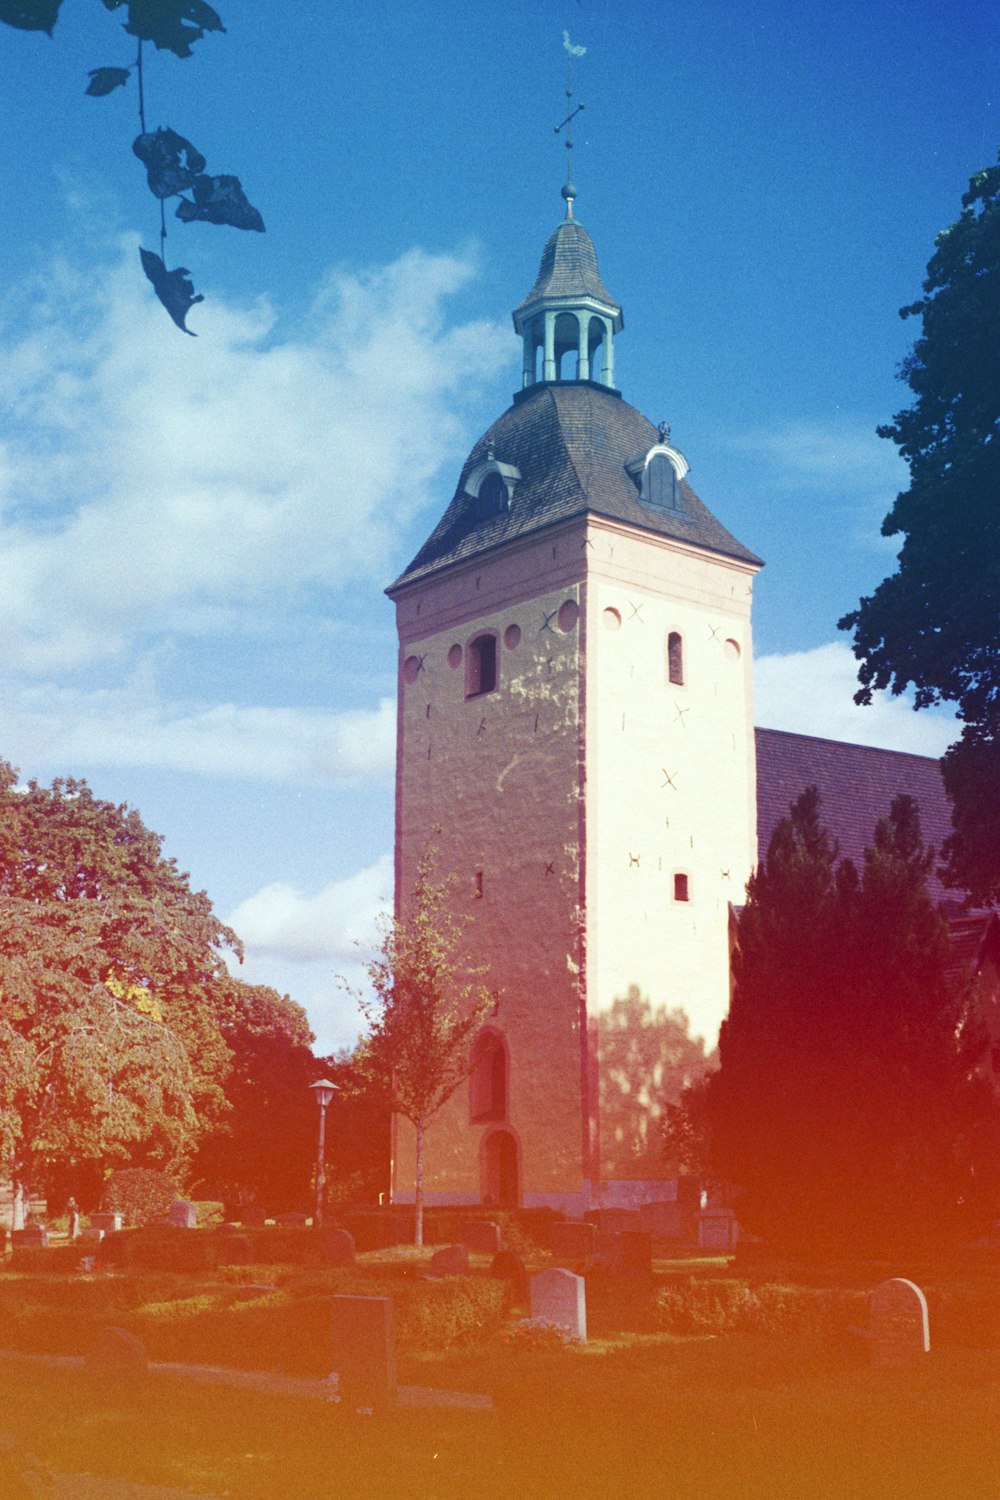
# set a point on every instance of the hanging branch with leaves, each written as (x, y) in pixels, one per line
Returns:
(174, 167)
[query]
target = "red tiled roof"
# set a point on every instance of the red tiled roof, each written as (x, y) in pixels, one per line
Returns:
(856, 783)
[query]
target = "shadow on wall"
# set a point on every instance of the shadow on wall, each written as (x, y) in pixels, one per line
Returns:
(647, 1059)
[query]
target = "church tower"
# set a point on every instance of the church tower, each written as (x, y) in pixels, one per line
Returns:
(575, 719)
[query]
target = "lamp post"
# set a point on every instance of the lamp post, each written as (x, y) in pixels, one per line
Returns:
(324, 1091)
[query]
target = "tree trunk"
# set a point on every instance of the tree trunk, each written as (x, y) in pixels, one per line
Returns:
(418, 1197)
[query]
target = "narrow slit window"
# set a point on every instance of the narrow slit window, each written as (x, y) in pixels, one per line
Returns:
(681, 892)
(675, 658)
(482, 660)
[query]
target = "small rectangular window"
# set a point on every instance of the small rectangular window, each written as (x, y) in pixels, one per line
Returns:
(680, 888)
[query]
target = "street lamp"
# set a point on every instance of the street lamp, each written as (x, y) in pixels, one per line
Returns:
(324, 1091)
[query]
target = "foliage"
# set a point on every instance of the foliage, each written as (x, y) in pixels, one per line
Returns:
(648, 1058)
(934, 624)
(426, 1007)
(357, 1132)
(112, 987)
(847, 1106)
(687, 1145)
(138, 1194)
(263, 1150)
(722, 1305)
(173, 166)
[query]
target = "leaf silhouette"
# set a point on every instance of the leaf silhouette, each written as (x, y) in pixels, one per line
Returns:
(105, 80)
(174, 288)
(220, 200)
(172, 25)
(161, 151)
(30, 15)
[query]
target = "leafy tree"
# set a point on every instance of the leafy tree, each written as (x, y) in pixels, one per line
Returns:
(174, 167)
(427, 1005)
(847, 1104)
(112, 988)
(264, 1148)
(648, 1057)
(138, 1194)
(934, 624)
(357, 1132)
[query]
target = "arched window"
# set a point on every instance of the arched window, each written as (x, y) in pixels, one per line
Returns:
(659, 483)
(481, 666)
(675, 658)
(488, 1079)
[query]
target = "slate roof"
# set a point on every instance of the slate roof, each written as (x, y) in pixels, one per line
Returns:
(856, 784)
(568, 269)
(571, 441)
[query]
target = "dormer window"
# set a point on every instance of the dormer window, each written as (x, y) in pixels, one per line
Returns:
(657, 475)
(490, 487)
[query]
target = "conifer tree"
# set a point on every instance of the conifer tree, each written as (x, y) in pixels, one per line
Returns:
(847, 1105)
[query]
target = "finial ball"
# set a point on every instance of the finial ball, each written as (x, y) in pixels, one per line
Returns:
(568, 191)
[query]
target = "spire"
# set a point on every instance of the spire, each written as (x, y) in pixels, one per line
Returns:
(569, 190)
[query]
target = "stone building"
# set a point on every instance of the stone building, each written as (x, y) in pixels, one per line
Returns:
(576, 717)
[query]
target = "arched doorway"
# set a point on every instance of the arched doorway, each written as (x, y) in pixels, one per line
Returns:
(500, 1169)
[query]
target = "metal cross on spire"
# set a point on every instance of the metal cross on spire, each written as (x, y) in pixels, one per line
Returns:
(569, 191)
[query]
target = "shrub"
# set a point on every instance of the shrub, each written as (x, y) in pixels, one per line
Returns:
(437, 1315)
(138, 1194)
(728, 1306)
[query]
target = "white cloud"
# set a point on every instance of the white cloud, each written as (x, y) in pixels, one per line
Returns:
(282, 922)
(148, 482)
(812, 692)
(129, 726)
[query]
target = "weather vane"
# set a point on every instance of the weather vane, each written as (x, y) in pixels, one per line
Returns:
(569, 191)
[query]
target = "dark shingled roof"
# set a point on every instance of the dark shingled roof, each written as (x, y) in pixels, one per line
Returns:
(570, 441)
(568, 269)
(856, 785)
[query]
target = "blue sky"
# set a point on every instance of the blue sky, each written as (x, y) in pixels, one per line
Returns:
(195, 533)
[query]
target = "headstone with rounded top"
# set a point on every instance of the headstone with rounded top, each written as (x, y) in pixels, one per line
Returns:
(338, 1247)
(452, 1260)
(116, 1354)
(560, 1297)
(900, 1329)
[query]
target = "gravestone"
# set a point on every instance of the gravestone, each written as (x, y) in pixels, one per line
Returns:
(717, 1229)
(899, 1326)
(508, 1267)
(481, 1235)
(116, 1354)
(613, 1220)
(572, 1240)
(338, 1247)
(182, 1214)
(561, 1298)
(33, 1237)
(453, 1260)
(364, 1351)
(666, 1220)
(109, 1222)
(252, 1217)
(91, 1236)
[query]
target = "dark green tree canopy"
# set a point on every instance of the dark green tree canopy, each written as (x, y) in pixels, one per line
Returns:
(934, 624)
(848, 1104)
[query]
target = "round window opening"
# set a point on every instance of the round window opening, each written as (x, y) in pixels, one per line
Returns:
(612, 619)
(512, 637)
(454, 656)
(732, 649)
(411, 668)
(568, 615)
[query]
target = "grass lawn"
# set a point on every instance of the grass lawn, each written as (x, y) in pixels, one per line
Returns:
(741, 1416)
